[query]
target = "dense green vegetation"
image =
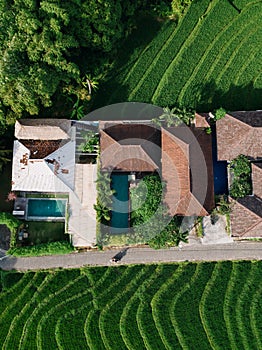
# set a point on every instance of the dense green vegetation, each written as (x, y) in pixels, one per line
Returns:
(12, 223)
(150, 220)
(51, 50)
(241, 170)
(210, 59)
(51, 248)
(166, 306)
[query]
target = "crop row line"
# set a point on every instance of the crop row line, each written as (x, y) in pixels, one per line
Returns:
(167, 45)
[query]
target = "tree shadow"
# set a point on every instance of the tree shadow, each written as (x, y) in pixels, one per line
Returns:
(209, 97)
(143, 33)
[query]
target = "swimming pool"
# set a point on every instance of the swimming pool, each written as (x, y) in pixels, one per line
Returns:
(120, 206)
(46, 208)
(219, 169)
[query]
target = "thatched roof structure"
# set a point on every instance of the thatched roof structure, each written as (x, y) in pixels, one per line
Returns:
(42, 129)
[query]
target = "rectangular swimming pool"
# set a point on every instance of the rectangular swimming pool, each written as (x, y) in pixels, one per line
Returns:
(46, 208)
(219, 169)
(120, 206)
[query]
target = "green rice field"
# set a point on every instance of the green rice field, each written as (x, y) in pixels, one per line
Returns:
(166, 306)
(212, 57)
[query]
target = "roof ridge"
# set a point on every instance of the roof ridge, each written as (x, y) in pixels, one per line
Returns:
(239, 121)
(142, 149)
(242, 205)
(176, 139)
(251, 227)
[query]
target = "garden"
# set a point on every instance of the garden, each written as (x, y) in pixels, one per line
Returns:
(205, 305)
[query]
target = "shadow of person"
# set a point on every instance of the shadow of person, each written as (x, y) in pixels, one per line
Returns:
(119, 255)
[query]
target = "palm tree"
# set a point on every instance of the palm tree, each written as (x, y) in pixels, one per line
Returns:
(90, 83)
(174, 117)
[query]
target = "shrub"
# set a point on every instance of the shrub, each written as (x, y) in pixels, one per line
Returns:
(241, 169)
(12, 224)
(51, 248)
(169, 236)
(208, 130)
(240, 166)
(179, 7)
(220, 113)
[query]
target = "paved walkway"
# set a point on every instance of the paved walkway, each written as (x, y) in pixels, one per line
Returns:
(82, 220)
(231, 251)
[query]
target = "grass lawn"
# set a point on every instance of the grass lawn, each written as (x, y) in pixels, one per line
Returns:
(44, 232)
(205, 305)
(212, 58)
(5, 187)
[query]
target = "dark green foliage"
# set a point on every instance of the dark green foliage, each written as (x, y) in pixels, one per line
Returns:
(241, 169)
(186, 305)
(51, 248)
(174, 117)
(47, 48)
(222, 206)
(90, 143)
(170, 236)
(12, 224)
(179, 7)
(150, 219)
(220, 113)
(104, 196)
(146, 199)
(240, 166)
(9, 279)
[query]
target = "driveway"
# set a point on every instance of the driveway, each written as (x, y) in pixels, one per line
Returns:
(231, 251)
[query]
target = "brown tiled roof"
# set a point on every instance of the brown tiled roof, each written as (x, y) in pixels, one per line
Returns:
(257, 179)
(188, 171)
(239, 133)
(252, 118)
(201, 120)
(246, 217)
(129, 147)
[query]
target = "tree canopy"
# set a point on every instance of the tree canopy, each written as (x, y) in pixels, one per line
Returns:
(47, 45)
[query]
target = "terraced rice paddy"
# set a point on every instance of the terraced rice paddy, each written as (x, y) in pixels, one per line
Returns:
(211, 58)
(169, 306)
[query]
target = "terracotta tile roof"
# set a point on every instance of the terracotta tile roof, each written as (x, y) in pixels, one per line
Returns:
(188, 171)
(129, 147)
(246, 217)
(257, 178)
(239, 133)
(201, 120)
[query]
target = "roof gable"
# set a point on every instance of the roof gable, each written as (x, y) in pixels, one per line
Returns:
(126, 147)
(239, 135)
(187, 170)
(246, 217)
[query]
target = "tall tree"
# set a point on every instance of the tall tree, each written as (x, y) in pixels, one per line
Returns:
(46, 45)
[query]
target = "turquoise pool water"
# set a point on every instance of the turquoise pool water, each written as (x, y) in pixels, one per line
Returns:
(219, 169)
(46, 208)
(119, 218)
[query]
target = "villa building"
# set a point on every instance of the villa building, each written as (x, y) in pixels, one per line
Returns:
(55, 180)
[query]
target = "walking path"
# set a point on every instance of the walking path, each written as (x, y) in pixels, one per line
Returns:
(82, 219)
(193, 252)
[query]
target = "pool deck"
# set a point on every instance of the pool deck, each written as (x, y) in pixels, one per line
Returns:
(82, 218)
